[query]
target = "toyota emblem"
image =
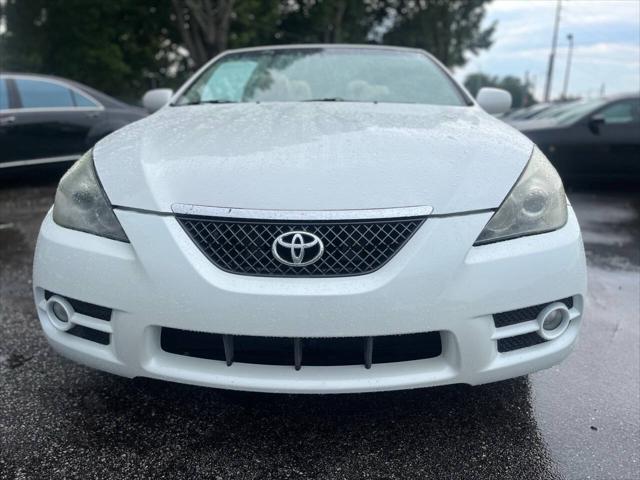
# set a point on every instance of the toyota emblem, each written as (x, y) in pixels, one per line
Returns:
(298, 248)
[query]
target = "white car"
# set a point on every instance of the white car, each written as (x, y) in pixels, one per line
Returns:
(314, 219)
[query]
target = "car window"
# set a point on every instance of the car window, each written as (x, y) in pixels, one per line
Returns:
(42, 94)
(353, 75)
(571, 112)
(625, 111)
(4, 95)
(81, 100)
(227, 81)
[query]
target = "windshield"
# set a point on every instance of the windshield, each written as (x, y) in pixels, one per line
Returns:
(569, 113)
(324, 74)
(578, 111)
(528, 112)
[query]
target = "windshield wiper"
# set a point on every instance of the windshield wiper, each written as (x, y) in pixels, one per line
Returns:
(327, 99)
(202, 102)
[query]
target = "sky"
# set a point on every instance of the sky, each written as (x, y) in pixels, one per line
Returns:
(606, 45)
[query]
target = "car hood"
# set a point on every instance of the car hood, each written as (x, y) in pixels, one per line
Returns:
(313, 156)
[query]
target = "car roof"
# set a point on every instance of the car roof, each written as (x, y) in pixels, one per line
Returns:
(312, 46)
(622, 96)
(103, 98)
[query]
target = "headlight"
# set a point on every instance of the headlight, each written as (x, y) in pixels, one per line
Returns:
(81, 204)
(536, 204)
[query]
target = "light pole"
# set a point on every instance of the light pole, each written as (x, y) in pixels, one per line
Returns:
(552, 55)
(568, 69)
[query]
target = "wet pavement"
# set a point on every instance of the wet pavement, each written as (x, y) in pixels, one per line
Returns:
(580, 419)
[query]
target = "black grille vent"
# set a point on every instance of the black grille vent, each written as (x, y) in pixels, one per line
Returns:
(300, 352)
(520, 341)
(513, 317)
(351, 247)
(90, 334)
(90, 310)
(85, 308)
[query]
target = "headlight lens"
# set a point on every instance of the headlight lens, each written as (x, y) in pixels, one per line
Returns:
(536, 204)
(81, 204)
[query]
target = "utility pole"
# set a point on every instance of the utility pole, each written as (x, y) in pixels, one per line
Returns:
(552, 55)
(568, 69)
(534, 82)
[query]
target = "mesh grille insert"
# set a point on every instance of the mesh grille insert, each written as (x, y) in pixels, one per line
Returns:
(513, 317)
(351, 247)
(90, 334)
(520, 341)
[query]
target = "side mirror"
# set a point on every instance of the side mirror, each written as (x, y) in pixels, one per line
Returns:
(595, 123)
(157, 98)
(494, 100)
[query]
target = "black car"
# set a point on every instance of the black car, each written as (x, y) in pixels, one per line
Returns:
(590, 140)
(46, 120)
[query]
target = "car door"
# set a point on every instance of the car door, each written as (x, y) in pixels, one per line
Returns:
(7, 118)
(49, 121)
(617, 130)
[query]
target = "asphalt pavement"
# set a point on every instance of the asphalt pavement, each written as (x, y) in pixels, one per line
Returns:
(578, 420)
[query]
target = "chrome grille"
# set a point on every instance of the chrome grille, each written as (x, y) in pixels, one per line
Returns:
(352, 247)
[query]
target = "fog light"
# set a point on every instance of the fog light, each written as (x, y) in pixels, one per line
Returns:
(553, 320)
(59, 312)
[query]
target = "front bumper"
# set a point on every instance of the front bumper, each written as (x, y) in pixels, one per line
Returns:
(435, 283)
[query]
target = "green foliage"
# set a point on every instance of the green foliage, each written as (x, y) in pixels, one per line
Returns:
(331, 21)
(255, 22)
(114, 46)
(475, 81)
(520, 92)
(124, 47)
(448, 29)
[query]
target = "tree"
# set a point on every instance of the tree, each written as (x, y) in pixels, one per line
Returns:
(448, 29)
(475, 81)
(114, 46)
(203, 26)
(331, 21)
(520, 92)
(124, 47)
(208, 27)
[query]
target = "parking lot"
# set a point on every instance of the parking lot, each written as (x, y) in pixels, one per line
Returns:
(580, 419)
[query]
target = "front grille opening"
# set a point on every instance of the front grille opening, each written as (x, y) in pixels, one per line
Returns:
(353, 247)
(403, 348)
(514, 317)
(333, 351)
(89, 334)
(262, 350)
(84, 308)
(520, 341)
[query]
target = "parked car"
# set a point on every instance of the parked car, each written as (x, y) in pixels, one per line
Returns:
(594, 139)
(314, 219)
(46, 120)
(526, 112)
